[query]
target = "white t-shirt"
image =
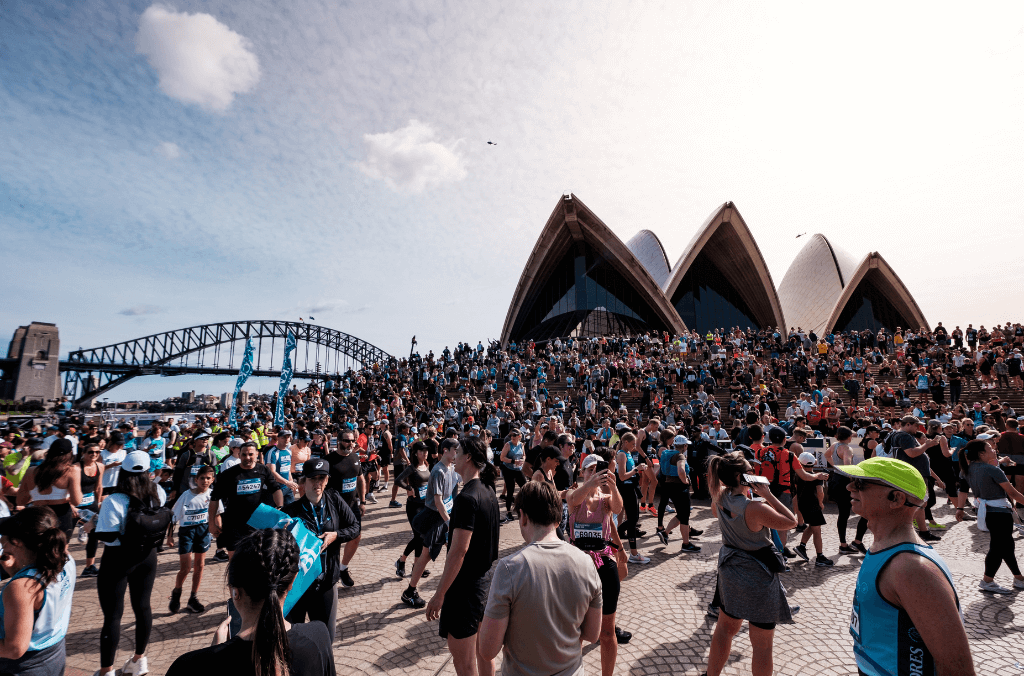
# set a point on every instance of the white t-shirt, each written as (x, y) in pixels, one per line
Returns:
(230, 462)
(192, 509)
(113, 511)
(110, 473)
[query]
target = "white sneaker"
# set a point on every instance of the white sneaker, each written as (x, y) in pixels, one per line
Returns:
(993, 588)
(638, 558)
(371, 499)
(135, 668)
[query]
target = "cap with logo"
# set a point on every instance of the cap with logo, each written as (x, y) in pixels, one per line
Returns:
(315, 467)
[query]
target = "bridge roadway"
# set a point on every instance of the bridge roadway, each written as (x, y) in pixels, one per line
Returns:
(662, 603)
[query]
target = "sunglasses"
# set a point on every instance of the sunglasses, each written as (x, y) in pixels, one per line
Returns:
(860, 484)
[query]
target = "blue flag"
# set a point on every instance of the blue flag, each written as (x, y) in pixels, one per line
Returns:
(310, 569)
(243, 374)
(286, 378)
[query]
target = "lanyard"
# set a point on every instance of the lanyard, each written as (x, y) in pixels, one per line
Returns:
(318, 519)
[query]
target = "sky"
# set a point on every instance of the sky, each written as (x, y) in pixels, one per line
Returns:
(168, 165)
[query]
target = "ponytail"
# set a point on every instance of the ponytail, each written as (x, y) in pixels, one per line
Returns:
(264, 566)
(476, 450)
(724, 472)
(38, 529)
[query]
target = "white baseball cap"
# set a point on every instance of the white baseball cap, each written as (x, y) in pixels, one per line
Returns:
(136, 462)
(680, 440)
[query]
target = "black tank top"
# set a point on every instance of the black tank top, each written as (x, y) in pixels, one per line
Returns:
(87, 482)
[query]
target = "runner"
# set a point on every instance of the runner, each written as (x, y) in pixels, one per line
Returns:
(414, 479)
(91, 480)
(512, 457)
(245, 487)
(191, 512)
(130, 564)
(278, 460)
(56, 483)
(346, 477)
(626, 471)
(462, 590)
(906, 616)
(35, 604)
(676, 487)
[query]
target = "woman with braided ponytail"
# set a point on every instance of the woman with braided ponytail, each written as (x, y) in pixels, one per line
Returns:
(35, 606)
(260, 574)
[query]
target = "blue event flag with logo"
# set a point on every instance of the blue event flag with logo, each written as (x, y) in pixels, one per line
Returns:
(243, 375)
(266, 516)
(286, 378)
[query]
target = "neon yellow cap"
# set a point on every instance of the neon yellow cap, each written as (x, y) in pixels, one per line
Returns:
(896, 473)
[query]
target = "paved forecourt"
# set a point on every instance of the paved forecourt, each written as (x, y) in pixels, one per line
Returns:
(662, 603)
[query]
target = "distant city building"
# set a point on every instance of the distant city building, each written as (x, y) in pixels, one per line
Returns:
(582, 280)
(226, 400)
(189, 397)
(243, 398)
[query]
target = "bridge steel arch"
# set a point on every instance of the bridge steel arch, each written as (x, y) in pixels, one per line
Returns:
(185, 351)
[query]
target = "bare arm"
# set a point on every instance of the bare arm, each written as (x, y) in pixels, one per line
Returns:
(491, 637)
(75, 487)
(26, 486)
(504, 454)
(439, 506)
(452, 566)
(590, 630)
(1012, 492)
(929, 600)
(768, 514)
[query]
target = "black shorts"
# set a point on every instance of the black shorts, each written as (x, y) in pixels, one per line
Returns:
(399, 468)
(609, 574)
(230, 536)
(385, 456)
(463, 608)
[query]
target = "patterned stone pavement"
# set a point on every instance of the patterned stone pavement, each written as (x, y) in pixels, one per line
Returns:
(662, 603)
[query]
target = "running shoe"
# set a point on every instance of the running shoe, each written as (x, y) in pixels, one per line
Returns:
(90, 571)
(859, 546)
(801, 528)
(425, 573)
(622, 637)
(400, 568)
(928, 536)
(689, 548)
(823, 561)
(139, 668)
(712, 611)
(175, 603)
(695, 532)
(993, 588)
(801, 551)
(221, 556)
(794, 609)
(638, 558)
(1018, 526)
(662, 535)
(788, 553)
(412, 598)
(847, 549)
(969, 517)
(371, 498)
(669, 509)
(932, 524)
(382, 486)
(1018, 584)
(394, 503)
(194, 605)
(346, 578)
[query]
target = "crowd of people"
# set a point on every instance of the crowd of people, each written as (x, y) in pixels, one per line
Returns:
(578, 438)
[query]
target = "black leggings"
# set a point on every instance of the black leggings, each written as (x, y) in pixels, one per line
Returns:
(412, 508)
(91, 545)
(862, 529)
(513, 478)
(679, 494)
(1000, 545)
(627, 529)
(841, 496)
(118, 571)
(320, 604)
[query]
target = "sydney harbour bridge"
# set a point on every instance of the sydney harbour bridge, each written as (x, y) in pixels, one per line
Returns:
(208, 349)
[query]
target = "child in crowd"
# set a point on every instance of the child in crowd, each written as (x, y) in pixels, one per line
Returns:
(811, 499)
(191, 511)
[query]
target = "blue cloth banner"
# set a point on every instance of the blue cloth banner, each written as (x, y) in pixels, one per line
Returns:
(310, 569)
(243, 374)
(286, 378)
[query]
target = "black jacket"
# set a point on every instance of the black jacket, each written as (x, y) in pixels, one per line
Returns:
(337, 517)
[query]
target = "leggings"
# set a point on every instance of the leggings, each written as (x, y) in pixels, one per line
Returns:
(513, 478)
(679, 494)
(841, 496)
(929, 504)
(91, 545)
(117, 571)
(862, 528)
(627, 529)
(1001, 545)
(412, 508)
(320, 604)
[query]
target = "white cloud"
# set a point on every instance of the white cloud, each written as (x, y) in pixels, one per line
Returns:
(141, 310)
(199, 59)
(409, 160)
(168, 150)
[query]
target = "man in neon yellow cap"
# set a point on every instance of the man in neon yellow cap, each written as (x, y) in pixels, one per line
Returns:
(906, 615)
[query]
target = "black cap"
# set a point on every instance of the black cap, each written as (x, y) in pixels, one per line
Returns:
(315, 467)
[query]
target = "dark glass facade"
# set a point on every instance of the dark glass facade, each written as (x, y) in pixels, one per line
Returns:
(584, 296)
(705, 300)
(869, 308)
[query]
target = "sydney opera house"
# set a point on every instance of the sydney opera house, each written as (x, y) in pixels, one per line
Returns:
(582, 280)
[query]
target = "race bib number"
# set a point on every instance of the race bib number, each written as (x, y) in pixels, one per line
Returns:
(249, 486)
(587, 531)
(195, 470)
(422, 492)
(88, 499)
(285, 471)
(349, 485)
(855, 620)
(448, 505)
(194, 517)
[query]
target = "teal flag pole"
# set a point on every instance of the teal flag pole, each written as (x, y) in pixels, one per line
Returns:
(286, 378)
(243, 374)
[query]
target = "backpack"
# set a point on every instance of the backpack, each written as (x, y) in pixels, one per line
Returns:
(145, 525)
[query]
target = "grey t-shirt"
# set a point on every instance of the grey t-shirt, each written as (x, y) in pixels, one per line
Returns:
(900, 442)
(545, 590)
(985, 480)
(442, 482)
